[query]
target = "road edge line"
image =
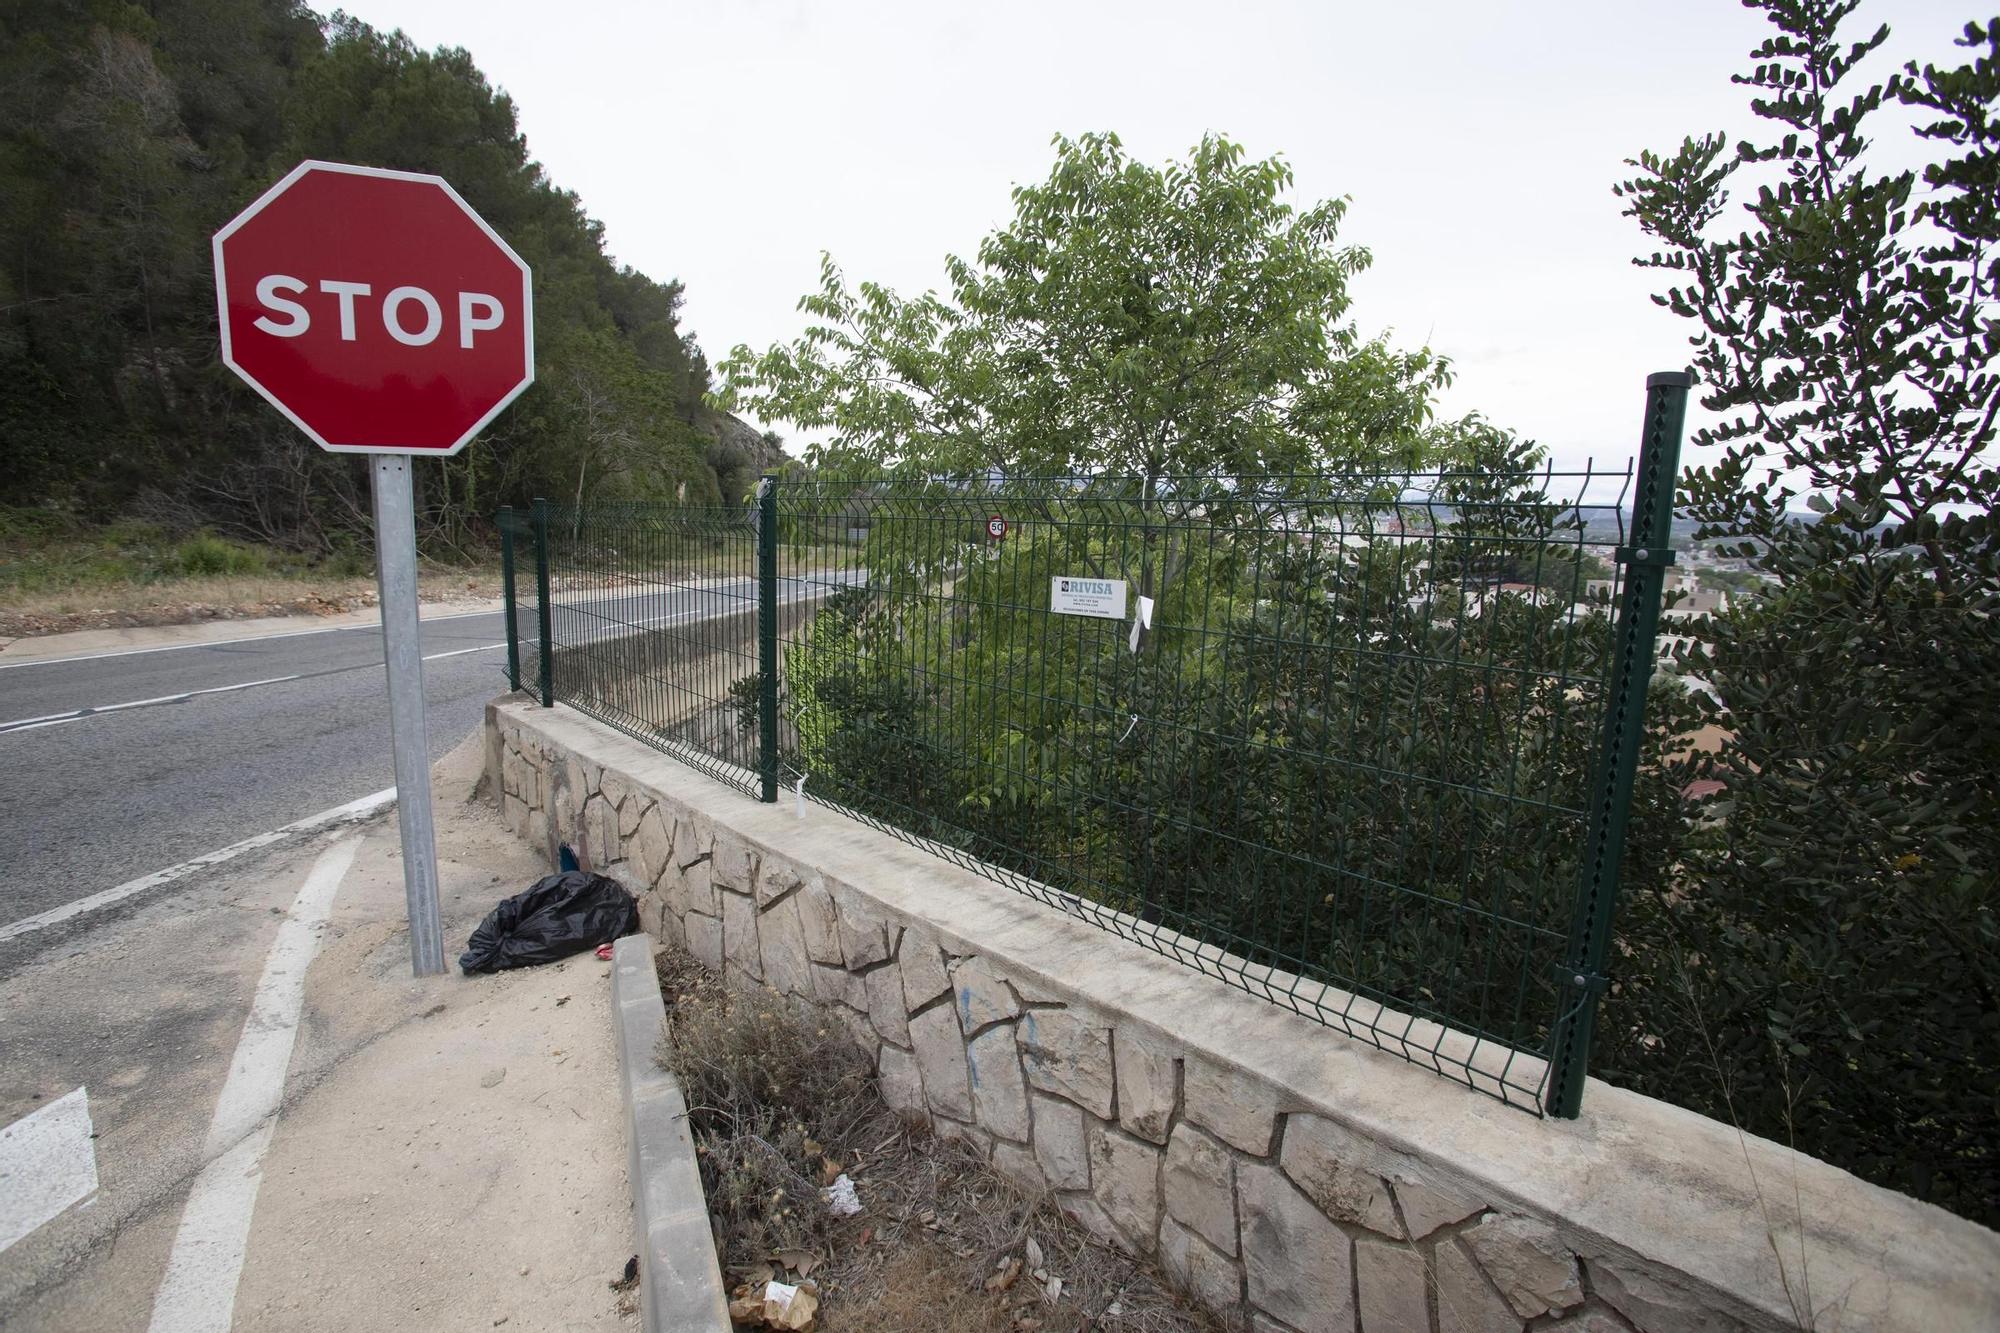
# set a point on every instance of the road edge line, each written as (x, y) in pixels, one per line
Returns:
(197, 1293)
(353, 811)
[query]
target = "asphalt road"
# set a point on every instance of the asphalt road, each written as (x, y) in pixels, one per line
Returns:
(117, 766)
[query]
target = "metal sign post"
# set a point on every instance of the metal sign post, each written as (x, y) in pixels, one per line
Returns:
(402, 654)
(382, 316)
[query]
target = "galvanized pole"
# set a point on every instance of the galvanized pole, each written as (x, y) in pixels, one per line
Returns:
(402, 652)
(767, 635)
(1645, 563)
(546, 674)
(507, 595)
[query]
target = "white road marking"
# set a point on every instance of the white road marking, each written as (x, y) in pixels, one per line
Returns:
(223, 643)
(76, 714)
(47, 1163)
(198, 1293)
(460, 652)
(343, 629)
(339, 814)
(79, 714)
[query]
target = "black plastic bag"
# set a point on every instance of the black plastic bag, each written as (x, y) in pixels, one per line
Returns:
(563, 914)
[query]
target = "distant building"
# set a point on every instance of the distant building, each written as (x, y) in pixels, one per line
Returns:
(1701, 787)
(1688, 596)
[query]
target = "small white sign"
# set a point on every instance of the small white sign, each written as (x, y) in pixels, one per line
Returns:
(1102, 598)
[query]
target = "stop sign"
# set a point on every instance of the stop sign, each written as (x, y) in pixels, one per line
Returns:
(375, 309)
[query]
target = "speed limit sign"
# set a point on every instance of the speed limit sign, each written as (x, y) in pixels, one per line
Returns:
(996, 527)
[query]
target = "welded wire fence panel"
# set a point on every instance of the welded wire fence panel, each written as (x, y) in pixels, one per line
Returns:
(652, 617)
(1330, 739)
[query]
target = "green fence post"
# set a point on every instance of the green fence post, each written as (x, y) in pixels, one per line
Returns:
(767, 634)
(1609, 806)
(507, 596)
(547, 673)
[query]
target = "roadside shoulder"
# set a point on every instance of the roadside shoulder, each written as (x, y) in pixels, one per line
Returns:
(210, 633)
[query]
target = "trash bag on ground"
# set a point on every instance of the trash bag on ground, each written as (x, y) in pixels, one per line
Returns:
(563, 914)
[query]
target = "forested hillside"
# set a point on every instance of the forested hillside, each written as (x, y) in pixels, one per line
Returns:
(130, 132)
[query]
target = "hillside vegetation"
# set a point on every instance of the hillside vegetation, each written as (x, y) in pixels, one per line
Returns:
(130, 133)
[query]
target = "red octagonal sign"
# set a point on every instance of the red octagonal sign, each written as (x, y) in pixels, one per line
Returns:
(375, 309)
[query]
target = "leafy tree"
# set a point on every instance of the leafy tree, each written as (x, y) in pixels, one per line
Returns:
(1824, 967)
(1151, 322)
(1183, 328)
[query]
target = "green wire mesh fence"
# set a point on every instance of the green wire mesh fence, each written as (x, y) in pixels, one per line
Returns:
(1354, 744)
(646, 618)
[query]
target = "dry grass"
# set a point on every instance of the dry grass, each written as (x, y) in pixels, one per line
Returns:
(780, 1103)
(216, 597)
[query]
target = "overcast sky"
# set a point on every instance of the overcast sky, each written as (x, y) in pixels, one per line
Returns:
(728, 144)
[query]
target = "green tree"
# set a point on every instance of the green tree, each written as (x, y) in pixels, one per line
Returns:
(1824, 966)
(1152, 322)
(1183, 328)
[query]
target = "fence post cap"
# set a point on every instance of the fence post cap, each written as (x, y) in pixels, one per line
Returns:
(1670, 379)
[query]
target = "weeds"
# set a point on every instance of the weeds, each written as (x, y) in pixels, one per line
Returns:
(59, 574)
(44, 553)
(1797, 1284)
(781, 1103)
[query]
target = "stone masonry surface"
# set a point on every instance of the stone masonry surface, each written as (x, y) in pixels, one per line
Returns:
(1287, 1177)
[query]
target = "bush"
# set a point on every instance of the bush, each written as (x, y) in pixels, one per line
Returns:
(1819, 965)
(207, 555)
(1819, 968)
(349, 560)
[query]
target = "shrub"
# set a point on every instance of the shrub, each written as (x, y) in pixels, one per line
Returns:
(207, 555)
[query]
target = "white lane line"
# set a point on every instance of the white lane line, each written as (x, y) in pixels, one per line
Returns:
(339, 814)
(79, 714)
(198, 1293)
(335, 629)
(224, 643)
(460, 652)
(76, 714)
(47, 1163)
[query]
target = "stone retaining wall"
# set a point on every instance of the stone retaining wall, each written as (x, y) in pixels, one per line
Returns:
(1290, 1178)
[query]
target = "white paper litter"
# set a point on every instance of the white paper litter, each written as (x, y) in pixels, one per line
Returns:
(841, 1200)
(779, 1294)
(1142, 621)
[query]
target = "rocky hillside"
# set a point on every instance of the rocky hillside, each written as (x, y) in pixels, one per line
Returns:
(737, 452)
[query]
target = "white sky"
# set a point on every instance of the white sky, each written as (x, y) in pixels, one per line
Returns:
(728, 144)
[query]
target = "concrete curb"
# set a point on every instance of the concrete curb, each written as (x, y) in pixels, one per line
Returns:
(41, 649)
(680, 1282)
